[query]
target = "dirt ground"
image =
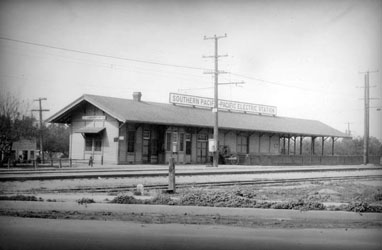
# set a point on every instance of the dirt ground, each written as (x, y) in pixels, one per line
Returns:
(351, 196)
(331, 193)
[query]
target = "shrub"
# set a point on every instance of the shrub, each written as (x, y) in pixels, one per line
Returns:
(20, 197)
(85, 201)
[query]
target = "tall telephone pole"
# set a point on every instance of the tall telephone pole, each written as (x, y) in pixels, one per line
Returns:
(40, 110)
(216, 97)
(366, 117)
(348, 131)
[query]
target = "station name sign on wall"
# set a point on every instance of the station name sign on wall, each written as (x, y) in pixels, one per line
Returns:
(204, 102)
(93, 117)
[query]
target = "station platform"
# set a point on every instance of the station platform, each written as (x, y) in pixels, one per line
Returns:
(162, 171)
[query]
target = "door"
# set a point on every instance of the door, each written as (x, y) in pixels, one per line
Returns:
(146, 152)
(188, 149)
(201, 151)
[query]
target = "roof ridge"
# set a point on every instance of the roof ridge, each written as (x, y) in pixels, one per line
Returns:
(185, 106)
(130, 110)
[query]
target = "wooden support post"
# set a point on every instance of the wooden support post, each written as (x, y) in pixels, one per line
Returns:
(171, 176)
(332, 145)
(312, 145)
(288, 144)
(60, 163)
(270, 141)
(294, 145)
(284, 146)
(260, 135)
(70, 162)
(301, 138)
(322, 146)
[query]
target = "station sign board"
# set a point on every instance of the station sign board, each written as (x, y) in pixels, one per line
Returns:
(93, 117)
(234, 106)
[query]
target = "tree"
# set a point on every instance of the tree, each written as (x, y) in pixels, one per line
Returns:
(14, 124)
(56, 139)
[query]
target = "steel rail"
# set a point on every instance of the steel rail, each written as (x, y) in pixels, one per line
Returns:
(268, 182)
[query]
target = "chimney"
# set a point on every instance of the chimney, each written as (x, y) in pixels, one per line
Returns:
(137, 96)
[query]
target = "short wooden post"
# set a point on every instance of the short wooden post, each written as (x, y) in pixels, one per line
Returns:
(171, 175)
(51, 162)
(60, 163)
(70, 162)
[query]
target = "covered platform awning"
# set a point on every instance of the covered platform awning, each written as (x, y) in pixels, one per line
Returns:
(89, 130)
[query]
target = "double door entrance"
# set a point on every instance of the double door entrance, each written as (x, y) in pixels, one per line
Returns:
(201, 151)
(152, 141)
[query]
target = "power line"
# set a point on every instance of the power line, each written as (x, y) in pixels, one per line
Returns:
(272, 82)
(101, 55)
(158, 63)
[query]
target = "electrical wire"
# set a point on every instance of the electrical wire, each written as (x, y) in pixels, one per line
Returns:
(102, 55)
(156, 63)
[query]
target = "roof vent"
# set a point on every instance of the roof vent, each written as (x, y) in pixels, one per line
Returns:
(137, 96)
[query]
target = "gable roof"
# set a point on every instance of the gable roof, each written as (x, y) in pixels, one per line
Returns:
(127, 110)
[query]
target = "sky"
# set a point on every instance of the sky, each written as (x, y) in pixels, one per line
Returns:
(304, 57)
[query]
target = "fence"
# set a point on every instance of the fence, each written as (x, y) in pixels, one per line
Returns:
(305, 160)
(52, 163)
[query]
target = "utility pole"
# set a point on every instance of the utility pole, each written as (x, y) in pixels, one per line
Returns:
(366, 117)
(348, 131)
(216, 97)
(40, 110)
(366, 122)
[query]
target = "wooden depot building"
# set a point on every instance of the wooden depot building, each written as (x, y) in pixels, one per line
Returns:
(132, 131)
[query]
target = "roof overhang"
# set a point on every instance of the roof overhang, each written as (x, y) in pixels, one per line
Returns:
(89, 130)
(64, 115)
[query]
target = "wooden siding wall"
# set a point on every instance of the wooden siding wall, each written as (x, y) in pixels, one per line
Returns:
(77, 142)
(269, 143)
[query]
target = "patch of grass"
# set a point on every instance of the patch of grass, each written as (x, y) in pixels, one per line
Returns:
(362, 207)
(378, 196)
(21, 197)
(126, 199)
(156, 200)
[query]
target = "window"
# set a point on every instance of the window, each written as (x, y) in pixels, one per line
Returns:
(188, 144)
(242, 144)
(168, 141)
(130, 141)
(97, 144)
(88, 143)
(202, 137)
(93, 142)
(181, 142)
(146, 134)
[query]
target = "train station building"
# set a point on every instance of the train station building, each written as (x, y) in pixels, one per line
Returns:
(133, 131)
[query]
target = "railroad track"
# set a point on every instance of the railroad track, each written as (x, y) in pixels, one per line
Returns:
(273, 182)
(22, 176)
